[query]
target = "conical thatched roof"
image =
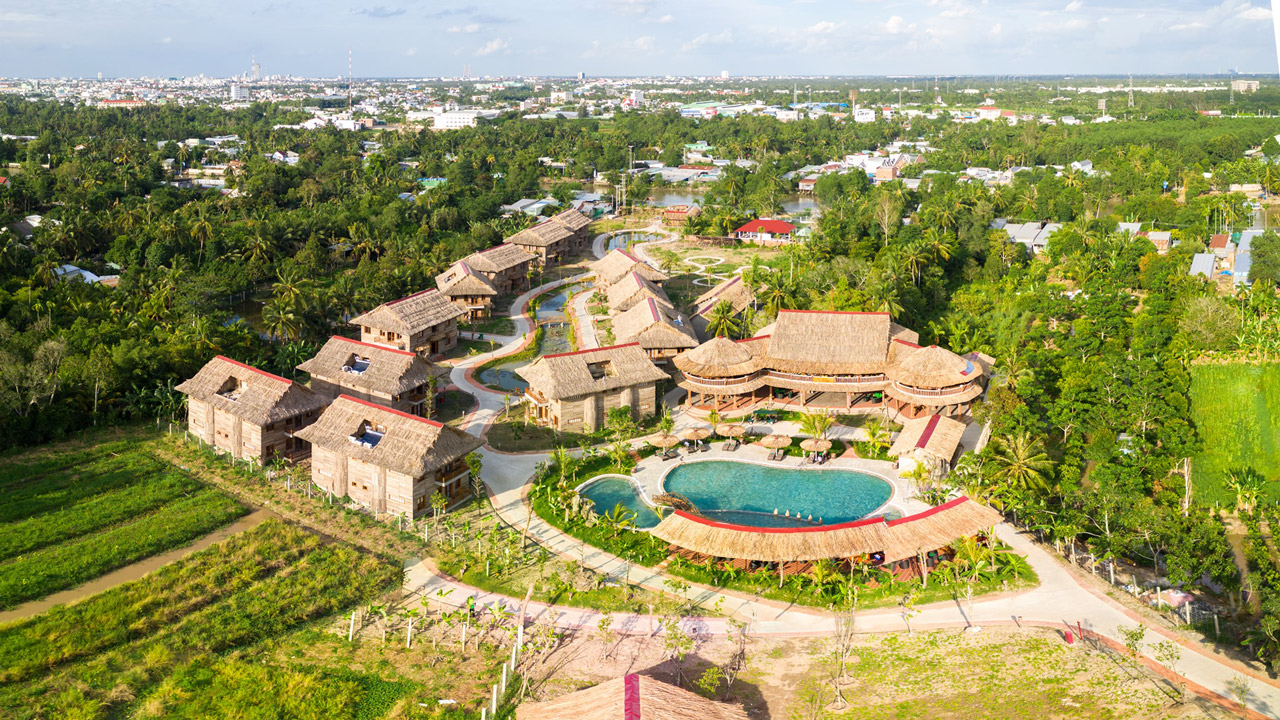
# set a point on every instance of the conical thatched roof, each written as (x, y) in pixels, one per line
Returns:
(586, 372)
(631, 697)
(829, 343)
(935, 436)
(498, 258)
(734, 290)
(410, 445)
(389, 371)
(898, 539)
(722, 357)
(411, 314)
(633, 288)
(614, 266)
(931, 367)
(248, 393)
(654, 325)
(461, 281)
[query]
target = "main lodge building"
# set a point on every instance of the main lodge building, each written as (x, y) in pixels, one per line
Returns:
(839, 360)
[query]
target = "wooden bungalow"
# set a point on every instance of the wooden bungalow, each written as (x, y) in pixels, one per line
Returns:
(734, 290)
(930, 441)
(577, 223)
(248, 412)
(898, 545)
(630, 696)
(575, 391)
(617, 264)
(631, 290)
(679, 214)
(386, 460)
(469, 291)
(556, 239)
(425, 323)
(398, 379)
(659, 329)
(505, 265)
(861, 362)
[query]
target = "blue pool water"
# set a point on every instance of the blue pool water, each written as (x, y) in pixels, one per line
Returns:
(747, 494)
(607, 493)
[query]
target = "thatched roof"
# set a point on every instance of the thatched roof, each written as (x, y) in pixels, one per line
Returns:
(412, 314)
(898, 539)
(935, 436)
(571, 219)
(586, 372)
(498, 258)
(734, 290)
(630, 696)
(461, 281)
(654, 325)
(722, 357)
(410, 445)
(930, 367)
(614, 266)
(898, 332)
(631, 289)
(541, 235)
(253, 395)
(830, 343)
(389, 371)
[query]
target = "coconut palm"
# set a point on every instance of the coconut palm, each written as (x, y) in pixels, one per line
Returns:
(816, 424)
(1021, 461)
(280, 321)
(722, 321)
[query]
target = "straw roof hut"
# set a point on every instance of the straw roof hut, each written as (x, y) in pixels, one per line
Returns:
(461, 281)
(632, 289)
(931, 367)
(408, 444)
(721, 357)
(498, 259)
(934, 438)
(654, 326)
(410, 315)
(618, 263)
(587, 372)
(831, 343)
(252, 395)
(897, 539)
(630, 696)
(541, 235)
(572, 219)
(734, 290)
(372, 371)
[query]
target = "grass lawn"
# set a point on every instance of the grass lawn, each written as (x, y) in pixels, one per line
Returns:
(497, 325)
(466, 348)
(454, 406)
(1236, 409)
(510, 433)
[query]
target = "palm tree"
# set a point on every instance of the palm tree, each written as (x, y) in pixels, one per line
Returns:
(280, 321)
(1013, 370)
(714, 418)
(816, 424)
(722, 321)
(1021, 461)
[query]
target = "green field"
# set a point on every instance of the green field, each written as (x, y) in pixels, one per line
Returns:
(1236, 409)
(66, 518)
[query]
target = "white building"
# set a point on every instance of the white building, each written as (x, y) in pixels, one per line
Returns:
(458, 119)
(239, 93)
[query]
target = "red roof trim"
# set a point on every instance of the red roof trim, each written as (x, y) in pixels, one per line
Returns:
(750, 528)
(629, 255)
(393, 411)
(753, 339)
(653, 310)
(908, 344)
(410, 297)
(928, 431)
(832, 312)
(584, 352)
(263, 373)
(931, 511)
(376, 347)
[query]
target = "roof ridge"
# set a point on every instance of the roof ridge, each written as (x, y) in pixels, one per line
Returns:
(410, 297)
(372, 345)
(589, 350)
(264, 373)
(831, 312)
(393, 411)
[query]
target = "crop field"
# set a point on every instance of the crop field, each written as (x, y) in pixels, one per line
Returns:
(1236, 409)
(168, 644)
(69, 517)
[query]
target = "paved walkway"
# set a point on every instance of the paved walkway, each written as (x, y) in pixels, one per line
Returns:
(1059, 601)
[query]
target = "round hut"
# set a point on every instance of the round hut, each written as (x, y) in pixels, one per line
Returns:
(931, 381)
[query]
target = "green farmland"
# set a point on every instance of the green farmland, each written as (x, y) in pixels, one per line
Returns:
(1236, 409)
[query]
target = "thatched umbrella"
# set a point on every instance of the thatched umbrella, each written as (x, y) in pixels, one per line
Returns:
(695, 433)
(730, 430)
(815, 445)
(663, 440)
(775, 441)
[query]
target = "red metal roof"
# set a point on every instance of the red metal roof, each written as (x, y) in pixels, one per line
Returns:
(773, 227)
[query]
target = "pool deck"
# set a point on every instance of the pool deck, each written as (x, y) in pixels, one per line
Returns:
(649, 472)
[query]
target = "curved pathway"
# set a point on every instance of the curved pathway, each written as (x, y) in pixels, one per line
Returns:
(1061, 600)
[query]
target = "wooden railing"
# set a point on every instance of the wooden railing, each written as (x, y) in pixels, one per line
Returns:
(925, 392)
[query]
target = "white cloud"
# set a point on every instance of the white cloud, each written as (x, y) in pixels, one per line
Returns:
(468, 28)
(167, 41)
(897, 26)
(824, 27)
(1252, 12)
(644, 43)
(411, 52)
(665, 19)
(633, 7)
(1074, 5)
(1196, 25)
(995, 29)
(492, 47)
(724, 37)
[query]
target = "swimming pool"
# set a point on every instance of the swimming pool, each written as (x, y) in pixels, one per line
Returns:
(606, 493)
(747, 493)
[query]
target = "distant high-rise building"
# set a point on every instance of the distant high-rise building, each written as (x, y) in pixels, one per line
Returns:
(1245, 85)
(239, 93)
(582, 76)
(99, 76)
(724, 74)
(255, 70)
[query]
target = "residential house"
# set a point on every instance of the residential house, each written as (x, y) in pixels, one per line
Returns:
(575, 391)
(386, 460)
(1202, 264)
(425, 323)
(618, 264)
(1221, 246)
(660, 330)
(399, 379)
(555, 239)
(679, 214)
(248, 412)
(766, 232)
(632, 289)
(470, 291)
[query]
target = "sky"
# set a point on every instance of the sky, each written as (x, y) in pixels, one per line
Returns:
(428, 38)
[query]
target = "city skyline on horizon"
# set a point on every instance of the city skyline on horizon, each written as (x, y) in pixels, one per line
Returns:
(639, 38)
